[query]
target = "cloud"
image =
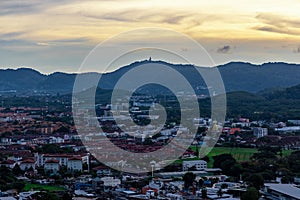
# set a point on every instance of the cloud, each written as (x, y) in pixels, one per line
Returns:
(297, 50)
(16, 7)
(43, 44)
(11, 34)
(278, 24)
(224, 49)
(70, 40)
(14, 42)
(175, 19)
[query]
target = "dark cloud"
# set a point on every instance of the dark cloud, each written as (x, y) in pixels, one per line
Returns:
(14, 42)
(17, 7)
(73, 40)
(138, 16)
(224, 49)
(273, 29)
(10, 34)
(123, 16)
(174, 20)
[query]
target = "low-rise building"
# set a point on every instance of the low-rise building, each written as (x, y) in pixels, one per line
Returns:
(259, 132)
(74, 164)
(196, 164)
(51, 166)
(27, 164)
(281, 191)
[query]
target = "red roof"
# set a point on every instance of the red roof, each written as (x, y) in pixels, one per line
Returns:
(52, 161)
(233, 130)
(100, 168)
(75, 158)
(8, 162)
(28, 161)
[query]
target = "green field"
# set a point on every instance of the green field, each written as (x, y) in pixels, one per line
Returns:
(240, 154)
(49, 188)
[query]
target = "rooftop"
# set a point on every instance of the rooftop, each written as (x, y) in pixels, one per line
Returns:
(287, 189)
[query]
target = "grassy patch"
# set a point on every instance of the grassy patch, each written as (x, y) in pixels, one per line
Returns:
(49, 188)
(240, 154)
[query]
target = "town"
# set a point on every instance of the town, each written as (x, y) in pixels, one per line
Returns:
(43, 156)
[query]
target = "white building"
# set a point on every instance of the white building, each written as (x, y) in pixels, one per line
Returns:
(26, 195)
(74, 164)
(51, 166)
(111, 181)
(259, 132)
(62, 158)
(198, 164)
(55, 140)
(27, 164)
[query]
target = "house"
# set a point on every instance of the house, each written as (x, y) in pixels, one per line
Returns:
(27, 164)
(197, 164)
(102, 171)
(74, 164)
(259, 132)
(232, 131)
(51, 166)
(27, 195)
(110, 181)
(55, 140)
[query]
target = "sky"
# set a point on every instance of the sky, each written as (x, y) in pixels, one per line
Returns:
(57, 35)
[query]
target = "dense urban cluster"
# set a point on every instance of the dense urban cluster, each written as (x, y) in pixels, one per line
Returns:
(43, 156)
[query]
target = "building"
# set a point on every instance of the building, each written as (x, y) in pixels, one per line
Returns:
(27, 195)
(8, 163)
(102, 171)
(51, 166)
(74, 164)
(111, 181)
(274, 191)
(196, 164)
(62, 158)
(27, 164)
(259, 132)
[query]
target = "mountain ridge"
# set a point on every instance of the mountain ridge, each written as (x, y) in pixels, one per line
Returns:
(237, 76)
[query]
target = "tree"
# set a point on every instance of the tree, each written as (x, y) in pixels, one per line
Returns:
(203, 193)
(196, 153)
(67, 196)
(255, 180)
(220, 192)
(201, 182)
(219, 159)
(286, 179)
(45, 195)
(188, 179)
(294, 161)
(17, 170)
(250, 194)
(205, 158)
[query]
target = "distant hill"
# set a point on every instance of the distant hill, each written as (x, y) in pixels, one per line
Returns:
(237, 76)
(282, 104)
